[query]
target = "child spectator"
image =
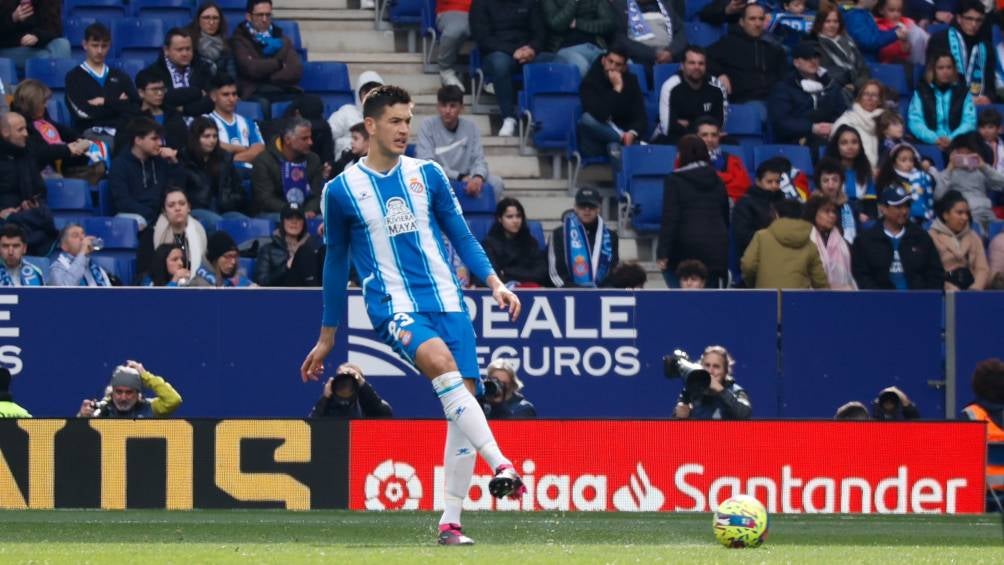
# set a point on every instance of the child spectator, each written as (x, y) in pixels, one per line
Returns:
(902, 168)
(891, 132)
(970, 175)
(753, 211)
(865, 32)
(358, 149)
(829, 180)
(910, 49)
(989, 125)
(692, 274)
(792, 22)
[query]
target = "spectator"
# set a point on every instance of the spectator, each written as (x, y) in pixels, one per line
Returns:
(942, 107)
(961, 250)
(692, 274)
(16, 271)
(688, 95)
(746, 62)
(139, 176)
(515, 254)
(724, 399)
(209, 37)
(845, 146)
(913, 48)
(185, 77)
(829, 181)
(293, 256)
(124, 396)
(970, 49)
(803, 107)
(995, 251)
(577, 30)
(212, 183)
(504, 398)
(967, 173)
(454, 29)
(823, 213)
(72, 265)
(730, 168)
(360, 148)
(794, 182)
(175, 225)
(891, 132)
(901, 168)
(8, 409)
(31, 30)
(310, 107)
(288, 172)
(629, 275)
(650, 31)
(613, 106)
(97, 95)
(893, 404)
(864, 31)
(585, 259)
(455, 143)
(989, 125)
(151, 90)
(853, 410)
(783, 254)
(509, 34)
(862, 116)
(349, 396)
(753, 211)
(720, 12)
(240, 136)
(268, 66)
(895, 253)
(695, 216)
(840, 55)
(342, 119)
(988, 406)
(790, 22)
(22, 191)
(220, 267)
(168, 267)
(58, 150)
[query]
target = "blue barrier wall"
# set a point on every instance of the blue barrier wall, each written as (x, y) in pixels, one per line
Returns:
(979, 334)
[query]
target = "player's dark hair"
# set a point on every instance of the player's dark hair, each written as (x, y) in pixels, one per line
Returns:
(176, 32)
(147, 77)
(382, 97)
(691, 268)
(450, 93)
(11, 231)
(97, 32)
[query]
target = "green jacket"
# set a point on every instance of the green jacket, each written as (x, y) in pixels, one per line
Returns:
(593, 18)
(783, 256)
(10, 410)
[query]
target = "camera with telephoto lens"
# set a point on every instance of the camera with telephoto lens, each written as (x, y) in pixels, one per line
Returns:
(99, 407)
(345, 380)
(696, 380)
(493, 388)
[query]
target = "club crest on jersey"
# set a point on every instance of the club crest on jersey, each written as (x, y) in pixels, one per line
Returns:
(415, 185)
(399, 217)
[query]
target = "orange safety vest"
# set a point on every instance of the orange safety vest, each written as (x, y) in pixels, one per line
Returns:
(995, 437)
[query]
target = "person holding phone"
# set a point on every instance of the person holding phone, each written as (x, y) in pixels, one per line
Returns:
(30, 29)
(969, 174)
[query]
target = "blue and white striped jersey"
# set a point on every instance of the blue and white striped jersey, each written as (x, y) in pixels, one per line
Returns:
(392, 226)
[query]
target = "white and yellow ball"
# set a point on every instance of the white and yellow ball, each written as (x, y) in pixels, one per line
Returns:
(741, 521)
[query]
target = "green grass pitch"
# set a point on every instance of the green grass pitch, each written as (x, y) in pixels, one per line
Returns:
(336, 537)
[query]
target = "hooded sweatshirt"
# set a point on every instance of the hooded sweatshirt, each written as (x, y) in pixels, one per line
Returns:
(137, 186)
(784, 256)
(350, 114)
(695, 219)
(963, 250)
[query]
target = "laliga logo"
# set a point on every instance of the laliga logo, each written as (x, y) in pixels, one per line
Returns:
(393, 486)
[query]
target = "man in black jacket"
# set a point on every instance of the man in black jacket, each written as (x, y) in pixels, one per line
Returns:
(348, 396)
(747, 63)
(187, 79)
(803, 107)
(22, 191)
(139, 175)
(509, 34)
(96, 94)
(688, 95)
(585, 219)
(613, 106)
(754, 211)
(896, 254)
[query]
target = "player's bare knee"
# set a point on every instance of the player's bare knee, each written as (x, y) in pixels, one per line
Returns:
(434, 358)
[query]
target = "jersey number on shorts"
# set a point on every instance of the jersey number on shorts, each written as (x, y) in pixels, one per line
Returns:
(397, 325)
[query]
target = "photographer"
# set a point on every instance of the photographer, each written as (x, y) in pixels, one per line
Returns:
(893, 404)
(124, 396)
(348, 396)
(710, 392)
(503, 400)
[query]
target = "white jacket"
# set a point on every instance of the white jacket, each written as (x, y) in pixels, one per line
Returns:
(863, 121)
(349, 115)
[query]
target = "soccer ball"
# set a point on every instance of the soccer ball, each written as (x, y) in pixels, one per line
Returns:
(741, 521)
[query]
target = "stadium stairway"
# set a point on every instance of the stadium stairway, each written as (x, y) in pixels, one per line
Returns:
(337, 30)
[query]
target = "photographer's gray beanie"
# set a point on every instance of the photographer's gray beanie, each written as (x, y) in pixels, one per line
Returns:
(124, 376)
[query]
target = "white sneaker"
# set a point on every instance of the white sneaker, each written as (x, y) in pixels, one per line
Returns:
(450, 78)
(367, 4)
(489, 88)
(508, 128)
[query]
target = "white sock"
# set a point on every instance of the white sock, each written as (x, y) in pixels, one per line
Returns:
(458, 468)
(463, 409)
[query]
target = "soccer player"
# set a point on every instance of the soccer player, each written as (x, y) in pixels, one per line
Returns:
(389, 213)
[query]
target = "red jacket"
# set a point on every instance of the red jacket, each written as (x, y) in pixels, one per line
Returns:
(737, 180)
(895, 52)
(453, 6)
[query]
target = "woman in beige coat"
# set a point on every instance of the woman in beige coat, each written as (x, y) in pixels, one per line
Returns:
(960, 249)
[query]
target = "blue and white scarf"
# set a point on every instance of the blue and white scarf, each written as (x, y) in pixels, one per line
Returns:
(638, 28)
(588, 264)
(180, 78)
(847, 223)
(97, 273)
(210, 277)
(294, 182)
(269, 45)
(30, 275)
(973, 69)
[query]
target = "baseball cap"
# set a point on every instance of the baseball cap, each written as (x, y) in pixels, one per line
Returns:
(894, 196)
(292, 210)
(588, 197)
(805, 50)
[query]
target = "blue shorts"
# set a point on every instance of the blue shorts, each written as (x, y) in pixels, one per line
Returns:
(406, 331)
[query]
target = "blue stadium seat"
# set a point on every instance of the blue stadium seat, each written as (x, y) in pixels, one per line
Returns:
(893, 76)
(118, 233)
(743, 124)
(551, 91)
(60, 220)
(484, 204)
(537, 231)
(314, 224)
(58, 112)
(406, 12)
(643, 174)
(129, 66)
(480, 225)
(694, 7)
(8, 74)
(120, 264)
(250, 110)
(233, 4)
(68, 195)
(233, 12)
(138, 38)
(330, 81)
(660, 74)
(702, 34)
(52, 72)
(104, 192)
(246, 266)
(156, 9)
(799, 156)
(73, 30)
(291, 29)
(638, 70)
(245, 230)
(103, 10)
(577, 160)
(279, 108)
(933, 153)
